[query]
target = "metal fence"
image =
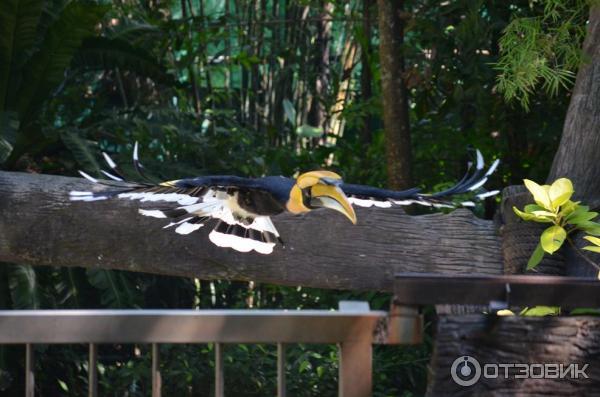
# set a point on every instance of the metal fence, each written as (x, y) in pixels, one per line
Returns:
(354, 328)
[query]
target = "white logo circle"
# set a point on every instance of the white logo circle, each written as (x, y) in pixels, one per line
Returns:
(465, 371)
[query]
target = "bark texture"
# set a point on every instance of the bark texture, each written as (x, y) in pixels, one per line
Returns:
(503, 340)
(40, 226)
(577, 155)
(395, 101)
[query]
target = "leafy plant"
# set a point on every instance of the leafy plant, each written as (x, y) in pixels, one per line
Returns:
(553, 205)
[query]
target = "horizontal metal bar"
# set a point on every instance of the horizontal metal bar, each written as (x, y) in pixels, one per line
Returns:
(523, 290)
(186, 326)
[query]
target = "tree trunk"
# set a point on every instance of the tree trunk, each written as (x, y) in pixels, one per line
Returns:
(366, 75)
(40, 226)
(395, 100)
(316, 114)
(507, 340)
(577, 155)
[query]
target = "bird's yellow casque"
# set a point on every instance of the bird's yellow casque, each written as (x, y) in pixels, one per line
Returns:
(321, 186)
(241, 208)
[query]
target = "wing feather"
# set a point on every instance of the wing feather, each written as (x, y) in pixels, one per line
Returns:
(472, 181)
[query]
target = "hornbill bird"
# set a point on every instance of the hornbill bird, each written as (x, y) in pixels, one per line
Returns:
(242, 207)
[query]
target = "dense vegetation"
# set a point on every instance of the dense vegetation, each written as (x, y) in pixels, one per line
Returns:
(254, 87)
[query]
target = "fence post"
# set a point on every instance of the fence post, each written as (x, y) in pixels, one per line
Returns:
(355, 377)
(219, 378)
(156, 378)
(29, 371)
(92, 370)
(281, 386)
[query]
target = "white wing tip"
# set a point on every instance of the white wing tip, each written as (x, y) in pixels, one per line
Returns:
(493, 167)
(109, 161)
(88, 177)
(152, 213)
(479, 160)
(111, 176)
(187, 228)
(487, 194)
(135, 151)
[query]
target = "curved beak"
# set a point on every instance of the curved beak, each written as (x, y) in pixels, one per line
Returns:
(332, 197)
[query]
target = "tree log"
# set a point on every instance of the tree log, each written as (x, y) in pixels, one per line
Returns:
(40, 226)
(506, 340)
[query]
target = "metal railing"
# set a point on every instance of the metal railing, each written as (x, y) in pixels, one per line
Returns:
(354, 328)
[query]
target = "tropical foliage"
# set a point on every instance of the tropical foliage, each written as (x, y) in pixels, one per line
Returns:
(553, 205)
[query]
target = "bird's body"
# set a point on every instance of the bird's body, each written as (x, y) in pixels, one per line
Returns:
(243, 207)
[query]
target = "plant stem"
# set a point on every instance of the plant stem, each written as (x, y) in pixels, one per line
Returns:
(581, 254)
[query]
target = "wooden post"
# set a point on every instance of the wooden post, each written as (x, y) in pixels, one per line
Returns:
(281, 384)
(156, 377)
(219, 378)
(92, 370)
(29, 371)
(355, 377)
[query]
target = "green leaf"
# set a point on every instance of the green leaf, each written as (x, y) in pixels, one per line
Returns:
(80, 149)
(592, 248)
(24, 288)
(590, 227)
(529, 208)
(541, 311)
(117, 290)
(553, 238)
(577, 211)
(568, 208)
(540, 194)
(585, 311)
(593, 240)
(308, 131)
(560, 192)
(582, 217)
(304, 365)
(531, 217)
(18, 29)
(63, 385)
(101, 53)
(544, 213)
(290, 111)
(46, 68)
(536, 257)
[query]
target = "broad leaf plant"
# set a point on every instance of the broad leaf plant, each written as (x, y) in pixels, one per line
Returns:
(553, 205)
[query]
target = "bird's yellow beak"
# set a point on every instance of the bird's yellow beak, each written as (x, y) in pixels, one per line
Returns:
(332, 197)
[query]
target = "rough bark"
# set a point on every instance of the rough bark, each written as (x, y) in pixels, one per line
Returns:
(504, 340)
(577, 155)
(40, 226)
(366, 75)
(395, 101)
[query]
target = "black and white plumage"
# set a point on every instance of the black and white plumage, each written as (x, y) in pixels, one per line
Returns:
(241, 208)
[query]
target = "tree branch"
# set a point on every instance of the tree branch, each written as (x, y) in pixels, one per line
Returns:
(40, 226)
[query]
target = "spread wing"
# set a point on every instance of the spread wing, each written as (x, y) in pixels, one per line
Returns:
(189, 204)
(472, 182)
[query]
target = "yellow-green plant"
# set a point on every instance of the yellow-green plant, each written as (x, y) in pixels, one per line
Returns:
(553, 205)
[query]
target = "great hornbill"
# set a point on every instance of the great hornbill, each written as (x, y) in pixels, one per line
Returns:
(242, 207)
